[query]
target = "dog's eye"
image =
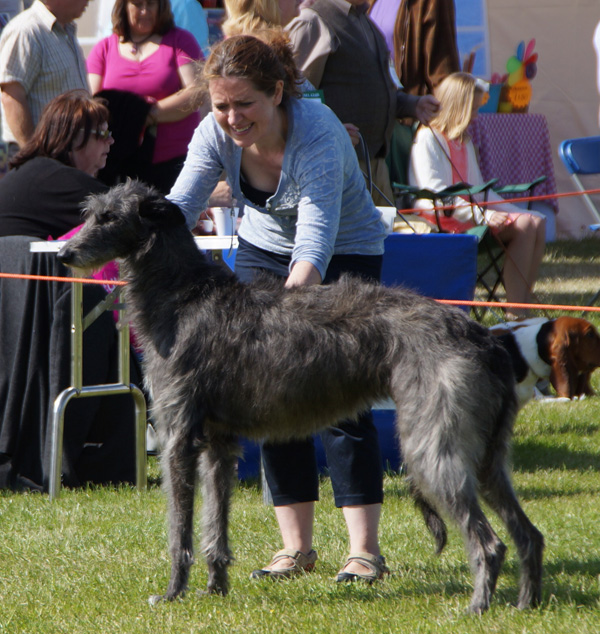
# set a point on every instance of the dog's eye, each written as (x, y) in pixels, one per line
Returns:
(105, 216)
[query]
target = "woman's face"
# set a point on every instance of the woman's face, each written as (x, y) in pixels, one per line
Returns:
(91, 158)
(288, 10)
(142, 16)
(247, 115)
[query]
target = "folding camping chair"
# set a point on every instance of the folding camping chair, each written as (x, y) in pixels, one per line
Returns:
(581, 157)
(490, 252)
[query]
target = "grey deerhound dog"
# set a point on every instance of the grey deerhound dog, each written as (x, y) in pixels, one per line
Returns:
(224, 359)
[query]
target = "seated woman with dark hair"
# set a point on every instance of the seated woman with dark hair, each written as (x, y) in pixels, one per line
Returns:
(50, 177)
(41, 197)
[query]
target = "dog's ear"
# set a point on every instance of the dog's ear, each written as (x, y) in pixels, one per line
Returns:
(161, 211)
(563, 374)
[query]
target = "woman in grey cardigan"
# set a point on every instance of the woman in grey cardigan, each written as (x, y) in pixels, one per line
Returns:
(308, 217)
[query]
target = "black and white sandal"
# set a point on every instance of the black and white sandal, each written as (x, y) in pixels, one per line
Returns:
(374, 564)
(299, 563)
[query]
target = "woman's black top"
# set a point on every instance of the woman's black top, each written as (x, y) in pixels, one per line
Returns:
(42, 198)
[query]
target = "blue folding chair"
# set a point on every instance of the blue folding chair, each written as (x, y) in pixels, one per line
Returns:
(581, 157)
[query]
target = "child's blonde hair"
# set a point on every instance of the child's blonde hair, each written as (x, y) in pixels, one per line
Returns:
(249, 16)
(456, 94)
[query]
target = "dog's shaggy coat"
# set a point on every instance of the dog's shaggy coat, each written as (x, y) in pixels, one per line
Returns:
(224, 359)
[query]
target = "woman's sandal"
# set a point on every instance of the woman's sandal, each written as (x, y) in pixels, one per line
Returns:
(374, 564)
(299, 563)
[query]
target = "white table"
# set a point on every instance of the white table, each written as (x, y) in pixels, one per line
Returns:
(214, 245)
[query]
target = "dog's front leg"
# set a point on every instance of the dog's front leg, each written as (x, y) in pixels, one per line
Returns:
(179, 464)
(218, 471)
(584, 386)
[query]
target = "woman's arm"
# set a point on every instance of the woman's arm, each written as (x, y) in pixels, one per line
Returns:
(95, 82)
(204, 165)
(430, 168)
(303, 274)
(178, 105)
(318, 173)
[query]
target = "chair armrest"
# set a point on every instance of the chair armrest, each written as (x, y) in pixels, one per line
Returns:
(520, 188)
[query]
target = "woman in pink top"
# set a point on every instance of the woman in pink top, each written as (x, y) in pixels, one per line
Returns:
(149, 56)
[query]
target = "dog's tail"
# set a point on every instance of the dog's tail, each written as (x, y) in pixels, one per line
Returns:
(435, 524)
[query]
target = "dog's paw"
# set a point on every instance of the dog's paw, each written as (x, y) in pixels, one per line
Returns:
(155, 599)
(221, 590)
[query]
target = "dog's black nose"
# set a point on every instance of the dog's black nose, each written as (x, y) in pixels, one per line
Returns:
(65, 255)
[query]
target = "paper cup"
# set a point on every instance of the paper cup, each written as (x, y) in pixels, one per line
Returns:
(207, 226)
(225, 219)
(388, 215)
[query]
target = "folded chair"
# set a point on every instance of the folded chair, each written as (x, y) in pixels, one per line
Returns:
(490, 252)
(581, 157)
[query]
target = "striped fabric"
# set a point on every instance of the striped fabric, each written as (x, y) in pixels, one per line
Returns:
(41, 55)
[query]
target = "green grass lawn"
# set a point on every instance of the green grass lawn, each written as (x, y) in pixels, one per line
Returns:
(88, 562)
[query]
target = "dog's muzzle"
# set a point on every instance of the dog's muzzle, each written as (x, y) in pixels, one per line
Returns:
(65, 255)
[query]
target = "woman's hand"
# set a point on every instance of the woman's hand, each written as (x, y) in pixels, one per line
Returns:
(354, 133)
(222, 196)
(496, 219)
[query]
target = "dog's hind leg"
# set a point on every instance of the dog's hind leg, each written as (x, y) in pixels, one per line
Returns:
(453, 491)
(179, 464)
(498, 492)
(218, 471)
(439, 458)
(486, 555)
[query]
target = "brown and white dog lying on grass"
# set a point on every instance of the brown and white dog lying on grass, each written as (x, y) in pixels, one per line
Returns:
(565, 350)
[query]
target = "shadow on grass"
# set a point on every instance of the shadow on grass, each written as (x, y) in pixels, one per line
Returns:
(586, 568)
(530, 456)
(563, 581)
(578, 249)
(561, 585)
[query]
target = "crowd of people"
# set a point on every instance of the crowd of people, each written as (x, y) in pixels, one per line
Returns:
(237, 128)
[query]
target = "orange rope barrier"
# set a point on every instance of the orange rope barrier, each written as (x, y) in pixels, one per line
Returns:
(460, 302)
(521, 199)
(452, 302)
(50, 278)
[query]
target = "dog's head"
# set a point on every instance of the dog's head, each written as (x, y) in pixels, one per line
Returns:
(118, 224)
(576, 343)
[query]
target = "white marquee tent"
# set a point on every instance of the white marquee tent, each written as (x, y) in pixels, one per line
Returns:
(565, 88)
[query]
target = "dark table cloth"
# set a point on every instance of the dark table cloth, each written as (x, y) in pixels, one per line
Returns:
(35, 318)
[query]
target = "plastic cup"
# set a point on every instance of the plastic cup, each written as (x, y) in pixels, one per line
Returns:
(225, 219)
